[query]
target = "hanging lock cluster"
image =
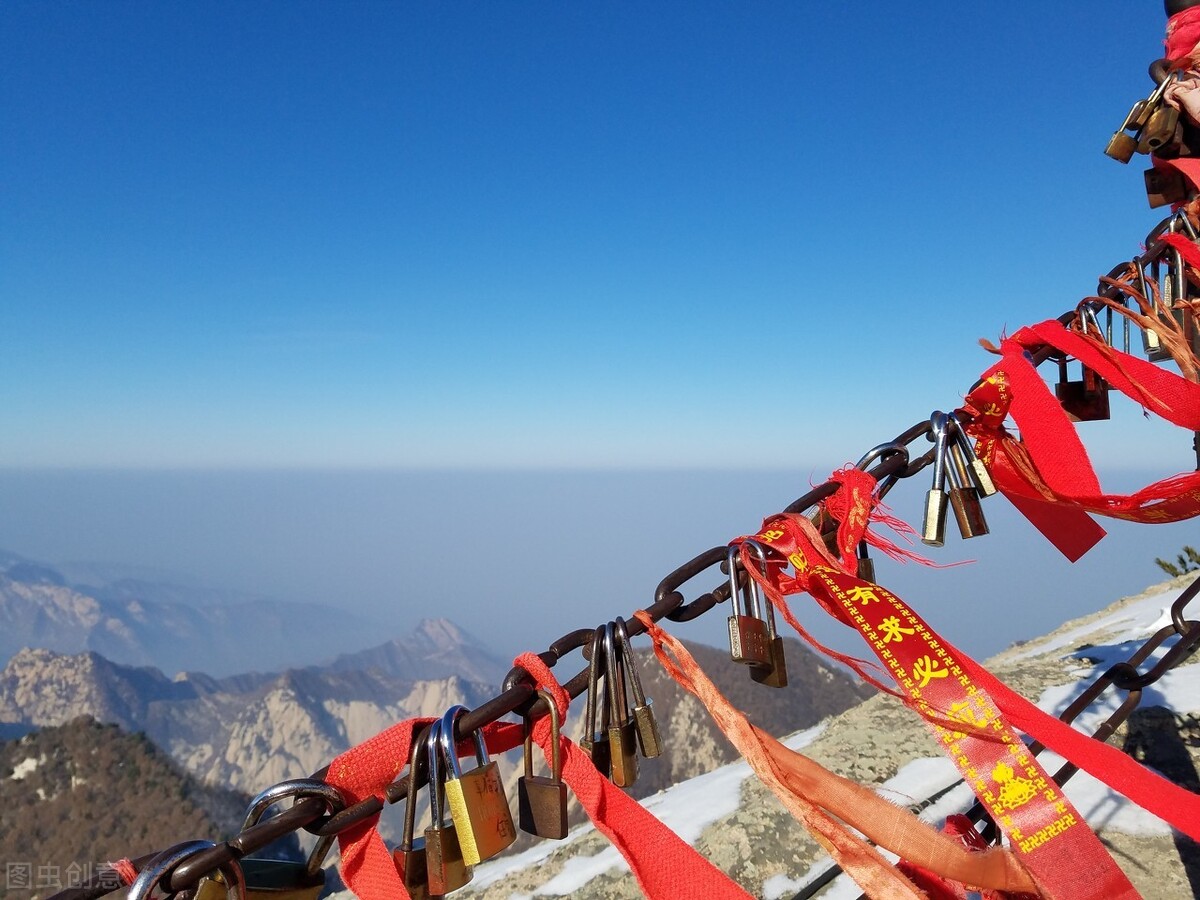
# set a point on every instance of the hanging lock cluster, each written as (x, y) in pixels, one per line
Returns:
(960, 481)
(1150, 127)
(753, 640)
(480, 823)
(614, 732)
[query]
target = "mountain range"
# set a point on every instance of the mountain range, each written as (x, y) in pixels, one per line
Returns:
(188, 628)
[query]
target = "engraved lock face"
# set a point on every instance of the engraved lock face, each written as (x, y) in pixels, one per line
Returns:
(649, 741)
(542, 800)
(476, 797)
(447, 870)
(749, 640)
(622, 732)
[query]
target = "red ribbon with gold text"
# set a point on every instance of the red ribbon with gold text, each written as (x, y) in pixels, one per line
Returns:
(1050, 836)
(1047, 473)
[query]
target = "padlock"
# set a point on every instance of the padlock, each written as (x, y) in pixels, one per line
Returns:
(1085, 400)
(410, 859)
(595, 736)
(774, 674)
(1121, 146)
(933, 527)
(749, 642)
(226, 882)
(445, 866)
(276, 879)
(476, 797)
(1164, 188)
(1128, 138)
(542, 800)
(622, 731)
(963, 498)
(980, 477)
(1161, 129)
(649, 740)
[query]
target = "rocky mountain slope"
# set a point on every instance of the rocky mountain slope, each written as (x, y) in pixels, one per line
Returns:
(241, 732)
(739, 825)
(76, 796)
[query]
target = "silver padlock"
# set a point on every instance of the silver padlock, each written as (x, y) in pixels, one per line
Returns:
(227, 880)
(774, 674)
(285, 879)
(933, 527)
(749, 642)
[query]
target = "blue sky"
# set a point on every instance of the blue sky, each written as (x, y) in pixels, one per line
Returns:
(529, 236)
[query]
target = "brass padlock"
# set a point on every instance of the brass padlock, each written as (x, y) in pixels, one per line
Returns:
(749, 642)
(649, 740)
(595, 736)
(774, 674)
(410, 858)
(1164, 188)
(1085, 400)
(933, 526)
(1161, 130)
(275, 879)
(1121, 147)
(542, 800)
(963, 498)
(980, 477)
(213, 887)
(1128, 138)
(446, 868)
(622, 732)
(476, 797)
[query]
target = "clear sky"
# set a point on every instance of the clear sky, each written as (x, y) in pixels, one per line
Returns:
(401, 236)
(536, 234)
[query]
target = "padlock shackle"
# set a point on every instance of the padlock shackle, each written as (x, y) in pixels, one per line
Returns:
(555, 731)
(590, 721)
(433, 747)
(765, 610)
(939, 425)
(737, 594)
(450, 744)
(635, 679)
(618, 702)
(170, 859)
(296, 789)
(421, 740)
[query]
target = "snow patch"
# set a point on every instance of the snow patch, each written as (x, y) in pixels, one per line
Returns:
(25, 767)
